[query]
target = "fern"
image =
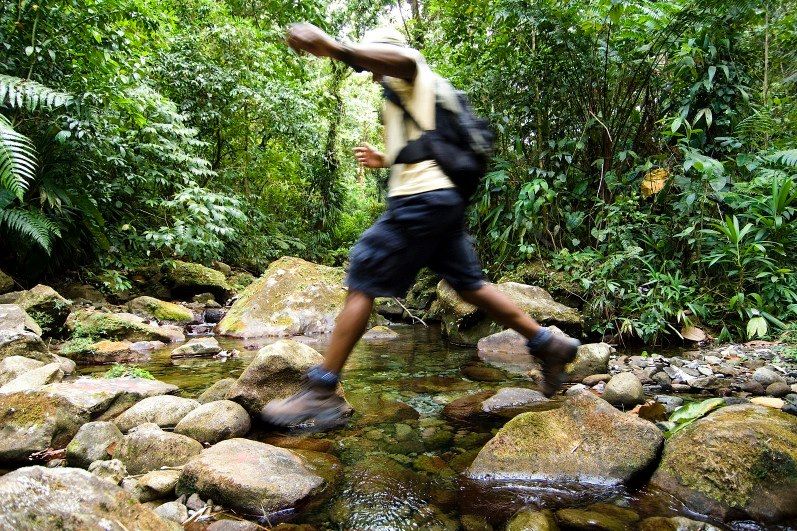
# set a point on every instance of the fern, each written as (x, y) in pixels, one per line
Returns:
(19, 93)
(32, 224)
(17, 159)
(787, 158)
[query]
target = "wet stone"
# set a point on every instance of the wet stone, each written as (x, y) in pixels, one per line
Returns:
(588, 520)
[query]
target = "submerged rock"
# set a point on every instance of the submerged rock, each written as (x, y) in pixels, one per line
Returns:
(676, 523)
(249, 476)
(380, 333)
(530, 520)
(507, 350)
(585, 440)
(746, 466)
(162, 311)
(35, 498)
(94, 441)
(215, 421)
(147, 448)
(165, 411)
(293, 297)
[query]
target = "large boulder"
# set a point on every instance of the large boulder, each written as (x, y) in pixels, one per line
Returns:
(293, 297)
(164, 410)
(215, 421)
(275, 372)
(35, 498)
(34, 379)
(738, 463)
(119, 326)
(186, 279)
(105, 351)
(46, 306)
(585, 440)
(217, 391)
(35, 421)
(464, 324)
(147, 448)
(250, 476)
(14, 366)
(14, 317)
(507, 350)
(161, 311)
(23, 343)
(6, 283)
(592, 358)
(94, 441)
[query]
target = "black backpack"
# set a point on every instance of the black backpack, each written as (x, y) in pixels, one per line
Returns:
(460, 143)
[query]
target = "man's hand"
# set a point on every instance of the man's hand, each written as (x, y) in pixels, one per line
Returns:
(368, 156)
(309, 38)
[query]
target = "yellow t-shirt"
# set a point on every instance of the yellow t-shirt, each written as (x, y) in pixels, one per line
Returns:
(419, 98)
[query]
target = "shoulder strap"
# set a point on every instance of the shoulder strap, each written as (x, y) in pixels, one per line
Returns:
(394, 98)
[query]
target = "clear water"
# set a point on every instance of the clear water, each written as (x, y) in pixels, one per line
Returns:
(389, 470)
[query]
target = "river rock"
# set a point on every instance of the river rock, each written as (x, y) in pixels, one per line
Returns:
(530, 520)
(105, 398)
(187, 279)
(107, 351)
(46, 306)
(94, 441)
(111, 469)
(162, 311)
(83, 293)
(15, 342)
(6, 283)
(14, 317)
(200, 346)
(507, 350)
(165, 411)
(511, 401)
(676, 523)
(778, 389)
(293, 297)
(467, 409)
(590, 359)
(14, 366)
(624, 389)
(670, 403)
(249, 476)
(746, 466)
(584, 519)
(147, 448)
(380, 333)
(157, 485)
(464, 324)
(585, 440)
(119, 326)
(595, 379)
(276, 372)
(217, 391)
(34, 379)
(215, 421)
(768, 401)
(36, 497)
(767, 376)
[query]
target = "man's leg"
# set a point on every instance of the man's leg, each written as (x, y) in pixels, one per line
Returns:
(554, 351)
(349, 328)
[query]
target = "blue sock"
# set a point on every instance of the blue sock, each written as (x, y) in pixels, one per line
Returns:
(320, 376)
(542, 337)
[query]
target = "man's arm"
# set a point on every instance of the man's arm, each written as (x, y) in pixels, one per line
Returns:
(381, 59)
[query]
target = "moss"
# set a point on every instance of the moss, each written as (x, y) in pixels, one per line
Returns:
(99, 325)
(77, 345)
(191, 275)
(124, 371)
(25, 409)
(161, 310)
(240, 281)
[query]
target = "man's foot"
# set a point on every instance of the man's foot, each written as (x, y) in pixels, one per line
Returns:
(316, 406)
(555, 352)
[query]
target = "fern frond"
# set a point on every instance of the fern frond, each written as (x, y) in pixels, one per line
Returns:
(17, 159)
(787, 157)
(19, 93)
(31, 224)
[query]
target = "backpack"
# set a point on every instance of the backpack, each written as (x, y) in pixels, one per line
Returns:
(460, 143)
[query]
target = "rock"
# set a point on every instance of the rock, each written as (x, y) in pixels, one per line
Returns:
(165, 411)
(147, 448)
(105, 398)
(146, 346)
(671, 403)
(582, 519)
(35, 498)
(162, 311)
(249, 476)
(595, 379)
(46, 307)
(174, 511)
(113, 470)
(380, 333)
(778, 389)
(14, 317)
(217, 391)
(22, 343)
(511, 401)
(624, 389)
(576, 390)
(119, 326)
(507, 350)
(244, 525)
(676, 523)
(6, 283)
(767, 376)
(203, 298)
(293, 297)
(157, 484)
(467, 409)
(107, 351)
(94, 441)
(213, 315)
(464, 324)
(752, 387)
(215, 421)
(34, 379)
(590, 359)
(746, 466)
(200, 346)
(14, 366)
(83, 292)
(194, 502)
(530, 520)
(768, 401)
(32, 422)
(585, 440)
(186, 279)
(275, 372)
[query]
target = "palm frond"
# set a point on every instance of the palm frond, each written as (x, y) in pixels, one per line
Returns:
(17, 159)
(31, 224)
(19, 93)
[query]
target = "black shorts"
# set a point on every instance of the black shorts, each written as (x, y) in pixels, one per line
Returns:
(418, 230)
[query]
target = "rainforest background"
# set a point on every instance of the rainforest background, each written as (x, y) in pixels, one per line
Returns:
(645, 168)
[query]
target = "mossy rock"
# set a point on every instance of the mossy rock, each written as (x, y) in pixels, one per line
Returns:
(240, 281)
(23, 343)
(102, 325)
(187, 279)
(6, 283)
(162, 311)
(13, 316)
(531, 520)
(293, 297)
(46, 307)
(559, 284)
(739, 462)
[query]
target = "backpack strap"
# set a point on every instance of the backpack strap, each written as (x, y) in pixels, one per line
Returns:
(415, 150)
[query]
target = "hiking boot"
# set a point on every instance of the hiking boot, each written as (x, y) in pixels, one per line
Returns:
(315, 405)
(555, 352)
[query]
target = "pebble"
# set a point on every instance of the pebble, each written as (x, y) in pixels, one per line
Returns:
(174, 511)
(790, 408)
(671, 403)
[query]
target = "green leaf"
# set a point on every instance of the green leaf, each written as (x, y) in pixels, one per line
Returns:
(756, 327)
(687, 414)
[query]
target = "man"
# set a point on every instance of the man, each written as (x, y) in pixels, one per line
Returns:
(424, 226)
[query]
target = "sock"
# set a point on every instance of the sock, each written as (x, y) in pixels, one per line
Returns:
(318, 375)
(542, 337)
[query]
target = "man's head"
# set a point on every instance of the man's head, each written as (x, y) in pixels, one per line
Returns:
(384, 36)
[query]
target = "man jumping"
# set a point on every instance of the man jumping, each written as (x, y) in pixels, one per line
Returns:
(424, 225)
